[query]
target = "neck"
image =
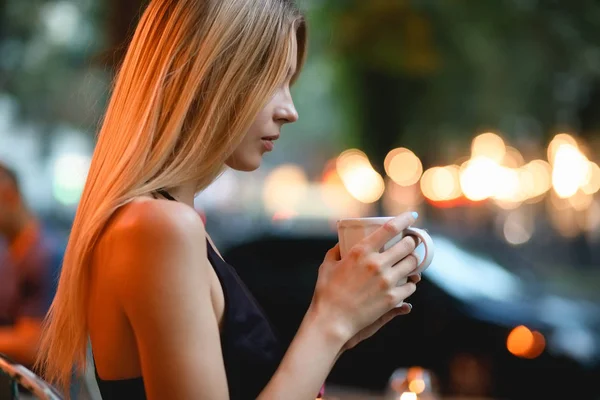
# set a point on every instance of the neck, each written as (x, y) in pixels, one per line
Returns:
(184, 194)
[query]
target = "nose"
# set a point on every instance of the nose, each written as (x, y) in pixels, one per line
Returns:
(286, 112)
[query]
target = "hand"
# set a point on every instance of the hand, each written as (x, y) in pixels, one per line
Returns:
(372, 329)
(357, 295)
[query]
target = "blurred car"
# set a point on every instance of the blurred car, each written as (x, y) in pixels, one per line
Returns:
(464, 311)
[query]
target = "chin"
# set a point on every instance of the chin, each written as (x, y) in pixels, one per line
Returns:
(245, 165)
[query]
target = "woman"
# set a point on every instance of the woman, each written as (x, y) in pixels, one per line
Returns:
(205, 85)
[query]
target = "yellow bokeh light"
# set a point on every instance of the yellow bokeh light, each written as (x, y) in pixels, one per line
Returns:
(350, 159)
(536, 179)
(513, 158)
(364, 184)
(488, 145)
(581, 201)
(359, 177)
(284, 188)
(408, 396)
(507, 184)
(441, 183)
(477, 178)
(593, 182)
(417, 386)
(403, 166)
(571, 170)
(334, 194)
(557, 141)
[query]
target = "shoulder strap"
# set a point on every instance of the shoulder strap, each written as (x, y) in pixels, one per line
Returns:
(165, 194)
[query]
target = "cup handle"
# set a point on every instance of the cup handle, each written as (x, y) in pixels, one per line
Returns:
(427, 243)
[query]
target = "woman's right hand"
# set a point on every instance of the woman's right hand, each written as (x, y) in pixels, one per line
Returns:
(355, 292)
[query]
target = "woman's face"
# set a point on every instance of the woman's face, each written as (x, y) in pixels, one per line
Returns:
(266, 128)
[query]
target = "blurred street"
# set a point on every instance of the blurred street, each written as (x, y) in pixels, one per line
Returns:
(481, 116)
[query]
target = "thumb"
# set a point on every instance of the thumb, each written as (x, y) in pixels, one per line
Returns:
(333, 254)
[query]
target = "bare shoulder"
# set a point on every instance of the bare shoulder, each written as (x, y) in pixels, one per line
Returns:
(153, 241)
(155, 254)
(156, 218)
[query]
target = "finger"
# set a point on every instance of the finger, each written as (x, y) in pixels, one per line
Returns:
(404, 309)
(388, 316)
(401, 293)
(390, 229)
(333, 254)
(402, 269)
(415, 278)
(400, 250)
(415, 237)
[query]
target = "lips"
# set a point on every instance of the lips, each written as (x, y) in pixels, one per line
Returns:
(268, 144)
(271, 138)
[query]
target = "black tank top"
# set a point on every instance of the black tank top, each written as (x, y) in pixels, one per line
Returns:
(251, 350)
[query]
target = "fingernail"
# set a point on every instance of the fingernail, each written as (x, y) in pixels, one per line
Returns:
(415, 215)
(409, 305)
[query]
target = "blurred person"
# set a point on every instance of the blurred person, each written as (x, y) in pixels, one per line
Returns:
(29, 263)
(205, 85)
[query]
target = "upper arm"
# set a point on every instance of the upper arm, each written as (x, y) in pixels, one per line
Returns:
(162, 281)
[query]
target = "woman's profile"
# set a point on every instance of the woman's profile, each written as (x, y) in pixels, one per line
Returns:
(205, 85)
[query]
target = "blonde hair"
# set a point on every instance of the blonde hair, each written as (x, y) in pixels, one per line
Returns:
(195, 76)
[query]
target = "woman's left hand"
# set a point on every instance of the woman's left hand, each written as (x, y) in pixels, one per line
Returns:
(370, 330)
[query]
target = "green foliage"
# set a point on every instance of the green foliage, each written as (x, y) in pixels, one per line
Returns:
(47, 50)
(524, 68)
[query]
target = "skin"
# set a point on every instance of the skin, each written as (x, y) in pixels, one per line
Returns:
(154, 286)
(19, 341)
(279, 111)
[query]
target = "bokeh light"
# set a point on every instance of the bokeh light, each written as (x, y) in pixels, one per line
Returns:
(477, 178)
(524, 343)
(488, 145)
(556, 142)
(70, 173)
(536, 180)
(571, 170)
(408, 396)
(416, 385)
(403, 166)
(441, 183)
(358, 176)
(518, 227)
(284, 189)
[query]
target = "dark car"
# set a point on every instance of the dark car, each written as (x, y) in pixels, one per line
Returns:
(464, 311)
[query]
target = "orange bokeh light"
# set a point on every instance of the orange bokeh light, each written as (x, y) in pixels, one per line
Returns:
(417, 386)
(524, 343)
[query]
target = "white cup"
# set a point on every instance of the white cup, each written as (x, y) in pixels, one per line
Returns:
(353, 230)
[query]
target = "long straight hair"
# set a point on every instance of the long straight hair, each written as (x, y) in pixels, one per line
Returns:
(195, 76)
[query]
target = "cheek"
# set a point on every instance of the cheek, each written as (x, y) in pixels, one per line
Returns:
(261, 121)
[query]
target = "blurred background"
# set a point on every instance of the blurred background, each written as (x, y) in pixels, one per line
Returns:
(480, 115)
